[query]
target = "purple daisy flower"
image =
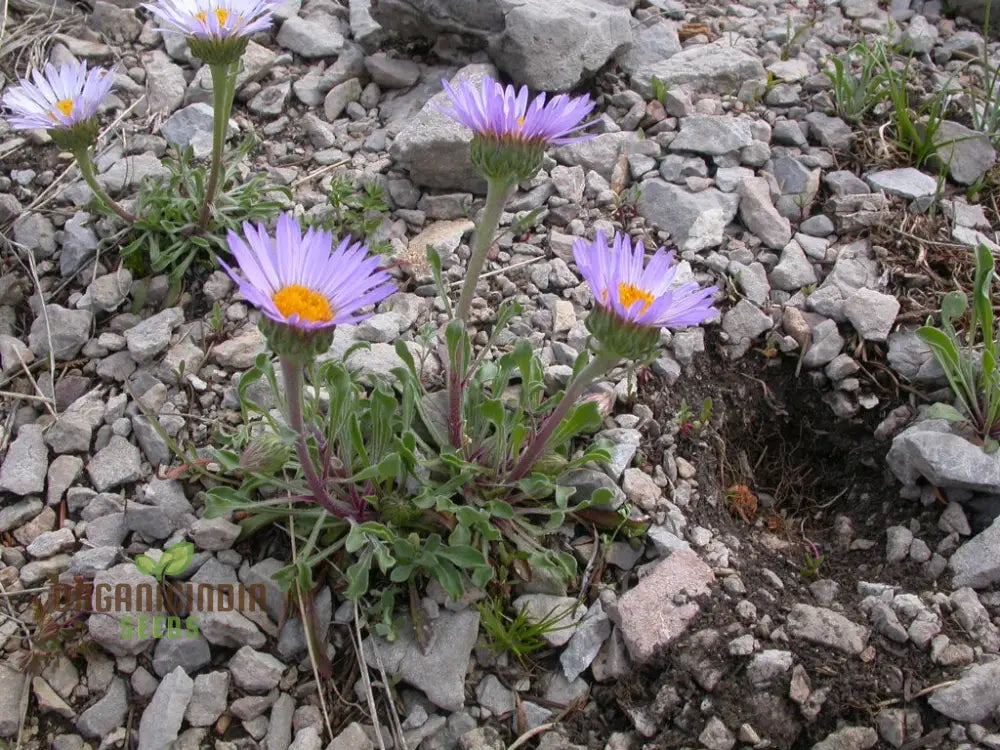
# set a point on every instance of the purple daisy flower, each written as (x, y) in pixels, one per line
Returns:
(301, 281)
(214, 19)
(494, 111)
(60, 99)
(642, 296)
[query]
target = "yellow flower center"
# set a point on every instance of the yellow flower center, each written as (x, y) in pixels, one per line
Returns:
(220, 13)
(520, 123)
(628, 295)
(65, 106)
(308, 305)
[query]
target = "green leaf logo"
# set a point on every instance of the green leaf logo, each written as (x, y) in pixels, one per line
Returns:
(174, 561)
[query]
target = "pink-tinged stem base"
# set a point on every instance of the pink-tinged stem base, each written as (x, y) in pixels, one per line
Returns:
(293, 376)
(535, 449)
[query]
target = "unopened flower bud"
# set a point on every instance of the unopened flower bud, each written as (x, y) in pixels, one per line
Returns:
(265, 454)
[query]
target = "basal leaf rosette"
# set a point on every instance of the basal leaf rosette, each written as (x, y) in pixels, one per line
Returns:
(217, 31)
(510, 133)
(303, 286)
(635, 299)
(63, 101)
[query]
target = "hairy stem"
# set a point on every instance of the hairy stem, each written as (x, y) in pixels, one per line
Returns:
(293, 376)
(86, 164)
(497, 192)
(455, 392)
(224, 91)
(535, 449)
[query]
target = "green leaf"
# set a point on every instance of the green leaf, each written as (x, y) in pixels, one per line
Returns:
(953, 307)
(147, 565)
(358, 575)
(463, 556)
(945, 411)
(178, 558)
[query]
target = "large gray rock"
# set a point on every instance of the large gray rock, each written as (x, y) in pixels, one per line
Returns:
(712, 134)
(313, 37)
(759, 214)
(429, 18)
(827, 628)
(719, 68)
(60, 331)
(115, 464)
(11, 687)
(974, 697)
(695, 221)
(552, 46)
(648, 615)
(434, 149)
(107, 713)
(161, 721)
(440, 670)
(906, 182)
(967, 154)
(977, 562)
(928, 450)
(975, 10)
(116, 628)
(599, 154)
(27, 460)
(653, 40)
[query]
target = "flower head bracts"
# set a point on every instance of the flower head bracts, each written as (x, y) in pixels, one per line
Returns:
(299, 281)
(213, 19)
(59, 99)
(491, 110)
(634, 300)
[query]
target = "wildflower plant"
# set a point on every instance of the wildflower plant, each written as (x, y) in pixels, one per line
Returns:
(397, 479)
(217, 32)
(970, 367)
(65, 102)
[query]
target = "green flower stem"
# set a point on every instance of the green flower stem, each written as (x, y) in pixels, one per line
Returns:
(86, 164)
(600, 364)
(224, 90)
(294, 380)
(497, 192)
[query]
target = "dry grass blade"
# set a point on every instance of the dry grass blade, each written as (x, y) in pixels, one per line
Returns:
(365, 679)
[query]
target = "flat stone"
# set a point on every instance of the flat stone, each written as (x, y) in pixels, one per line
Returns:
(906, 182)
(718, 68)
(391, 72)
(871, 313)
(648, 616)
(973, 698)
(928, 450)
(848, 738)
(552, 46)
(712, 134)
(26, 463)
(162, 718)
(60, 331)
(11, 689)
(831, 132)
(339, 97)
(115, 464)
(107, 713)
(313, 37)
(239, 353)
(827, 628)
(209, 698)
(760, 216)
(562, 611)
(591, 632)
(152, 335)
(977, 562)
(255, 671)
(967, 153)
(440, 671)
(695, 221)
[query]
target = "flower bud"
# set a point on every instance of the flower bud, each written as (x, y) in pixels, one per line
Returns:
(264, 454)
